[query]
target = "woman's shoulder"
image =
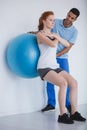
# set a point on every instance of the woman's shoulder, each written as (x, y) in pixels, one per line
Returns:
(40, 33)
(40, 36)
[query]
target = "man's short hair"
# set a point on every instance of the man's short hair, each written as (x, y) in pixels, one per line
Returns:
(75, 11)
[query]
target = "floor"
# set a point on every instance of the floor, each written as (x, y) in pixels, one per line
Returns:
(41, 121)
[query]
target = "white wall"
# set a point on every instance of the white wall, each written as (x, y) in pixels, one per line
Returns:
(19, 95)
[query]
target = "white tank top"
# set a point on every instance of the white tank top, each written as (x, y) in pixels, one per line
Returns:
(47, 57)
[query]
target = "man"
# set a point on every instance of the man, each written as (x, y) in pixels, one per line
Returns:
(65, 28)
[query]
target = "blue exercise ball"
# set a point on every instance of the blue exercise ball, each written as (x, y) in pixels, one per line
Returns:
(22, 55)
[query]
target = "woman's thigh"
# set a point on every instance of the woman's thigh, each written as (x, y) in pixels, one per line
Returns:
(69, 78)
(55, 78)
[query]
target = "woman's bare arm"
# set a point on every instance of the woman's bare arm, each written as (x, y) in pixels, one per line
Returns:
(44, 39)
(61, 40)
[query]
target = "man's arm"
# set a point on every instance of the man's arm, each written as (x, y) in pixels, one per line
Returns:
(66, 49)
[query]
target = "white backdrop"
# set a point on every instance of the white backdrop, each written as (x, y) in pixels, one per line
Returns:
(20, 95)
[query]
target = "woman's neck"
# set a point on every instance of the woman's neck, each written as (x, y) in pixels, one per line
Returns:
(47, 31)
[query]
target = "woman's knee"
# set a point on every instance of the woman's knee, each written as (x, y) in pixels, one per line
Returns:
(75, 84)
(63, 84)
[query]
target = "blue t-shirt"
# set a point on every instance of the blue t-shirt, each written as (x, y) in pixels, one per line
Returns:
(70, 34)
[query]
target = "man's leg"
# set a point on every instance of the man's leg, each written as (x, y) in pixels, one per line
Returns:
(51, 98)
(51, 94)
(65, 66)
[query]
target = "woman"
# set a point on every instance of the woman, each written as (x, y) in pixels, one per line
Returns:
(48, 67)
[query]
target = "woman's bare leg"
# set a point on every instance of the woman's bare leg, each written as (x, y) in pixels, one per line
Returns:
(58, 80)
(73, 90)
(63, 79)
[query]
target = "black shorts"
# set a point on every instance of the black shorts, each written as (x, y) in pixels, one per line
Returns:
(43, 72)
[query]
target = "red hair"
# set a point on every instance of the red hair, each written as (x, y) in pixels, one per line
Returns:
(44, 17)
